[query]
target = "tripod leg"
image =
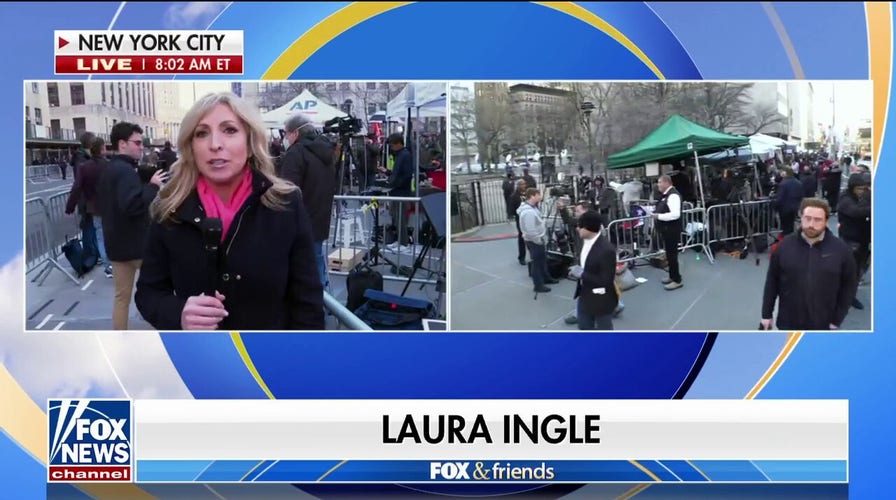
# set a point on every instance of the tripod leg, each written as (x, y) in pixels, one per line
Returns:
(418, 262)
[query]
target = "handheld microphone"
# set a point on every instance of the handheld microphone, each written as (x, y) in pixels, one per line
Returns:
(212, 228)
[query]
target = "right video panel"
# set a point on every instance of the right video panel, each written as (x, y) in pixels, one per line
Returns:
(661, 206)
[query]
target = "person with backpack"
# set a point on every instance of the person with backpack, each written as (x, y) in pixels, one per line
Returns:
(84, 195)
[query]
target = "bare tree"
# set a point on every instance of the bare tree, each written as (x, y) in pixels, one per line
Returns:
(492, 118)
(761, 117)
(463, 124)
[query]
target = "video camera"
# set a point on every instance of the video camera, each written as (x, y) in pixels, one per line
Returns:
(343, 125)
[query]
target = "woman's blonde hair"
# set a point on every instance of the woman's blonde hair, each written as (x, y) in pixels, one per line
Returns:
(185, 174)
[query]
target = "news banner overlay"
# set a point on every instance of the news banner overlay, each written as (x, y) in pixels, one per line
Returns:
(90, 440)
(149, 52)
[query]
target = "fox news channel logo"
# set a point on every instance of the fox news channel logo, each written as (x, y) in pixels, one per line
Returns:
(90, 440)
(496, 471)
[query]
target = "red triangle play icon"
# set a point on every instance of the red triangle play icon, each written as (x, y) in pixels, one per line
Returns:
(62, 42)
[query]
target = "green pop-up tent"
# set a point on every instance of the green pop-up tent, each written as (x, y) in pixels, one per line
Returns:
(677, 138)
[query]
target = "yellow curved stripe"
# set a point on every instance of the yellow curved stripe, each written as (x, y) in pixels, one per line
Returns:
(645, 470)
(355, 13)
(792, 340)
(27, 424)
(247, 360)
(591, 18)
(340, 464)
(632, 492)
(322, 33)
(880, 58)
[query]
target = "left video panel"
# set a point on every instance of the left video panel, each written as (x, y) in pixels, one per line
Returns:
(235, 206)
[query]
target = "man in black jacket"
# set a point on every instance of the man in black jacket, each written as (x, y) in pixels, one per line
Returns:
(308, 163)
(788, 197)
(854, 214)
(124, 207)
(812, 275)
(596, 272)
(167, 157)
(401, 184)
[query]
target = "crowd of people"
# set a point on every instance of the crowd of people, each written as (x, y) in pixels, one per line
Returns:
(215, 236)
(813, 273)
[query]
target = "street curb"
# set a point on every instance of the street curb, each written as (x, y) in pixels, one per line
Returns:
(484, 238)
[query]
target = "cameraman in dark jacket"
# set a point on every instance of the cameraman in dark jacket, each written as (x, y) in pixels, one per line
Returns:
(854, 214)
(401, 184)
(308, 164)
(788, 197)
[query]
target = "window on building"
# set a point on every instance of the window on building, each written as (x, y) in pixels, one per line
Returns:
(111, 94)
(38, 117)
(53, 94)
(80, 126)
(120, 94)
(35, 89)
(371, 85)
(371, 108)
(77, 90)
(27, 112)
(345, 86)
(103, 93)
(330, 86)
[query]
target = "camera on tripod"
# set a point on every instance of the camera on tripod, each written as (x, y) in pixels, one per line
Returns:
(343, 125)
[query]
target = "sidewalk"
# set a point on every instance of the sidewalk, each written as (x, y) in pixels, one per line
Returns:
(490, 290)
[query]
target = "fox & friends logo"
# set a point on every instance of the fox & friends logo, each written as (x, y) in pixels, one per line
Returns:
(497, 471)
(90, 440)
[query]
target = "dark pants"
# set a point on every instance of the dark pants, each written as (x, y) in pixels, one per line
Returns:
(861, 252)
(787, 221)
(671, 239)
(588, 321)
(520, 242)
(539, 266)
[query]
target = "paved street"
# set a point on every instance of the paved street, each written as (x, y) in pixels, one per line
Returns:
(491, 291)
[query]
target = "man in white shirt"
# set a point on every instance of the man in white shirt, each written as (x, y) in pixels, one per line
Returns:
(669, 226)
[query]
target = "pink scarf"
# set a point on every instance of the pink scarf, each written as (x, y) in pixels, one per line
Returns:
(215, 207)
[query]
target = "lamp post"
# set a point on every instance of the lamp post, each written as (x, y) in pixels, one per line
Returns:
(587, 107)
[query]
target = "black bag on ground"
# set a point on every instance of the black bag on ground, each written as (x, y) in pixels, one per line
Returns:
(386, 311)
(359, 280)
(81, 260)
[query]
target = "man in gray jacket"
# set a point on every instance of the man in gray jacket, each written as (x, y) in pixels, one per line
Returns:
(533, 228)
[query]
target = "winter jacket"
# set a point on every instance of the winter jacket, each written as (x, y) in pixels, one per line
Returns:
(531, 223)
(123, 203)
(854, 215)
(307, 164)
(789, 196)
(814, 285)
(265, 267)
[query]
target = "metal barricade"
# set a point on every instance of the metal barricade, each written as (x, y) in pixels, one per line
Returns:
(635, 238)
(694, 231)
(37, 174)
(359, 223)
(740, 221)
(40, 243)
(343, 315)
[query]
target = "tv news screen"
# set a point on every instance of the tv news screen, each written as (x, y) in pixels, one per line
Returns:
(464, 250)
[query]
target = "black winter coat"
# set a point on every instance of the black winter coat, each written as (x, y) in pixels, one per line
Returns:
(309, 165)
(600, 272)
(789, 196)
(401, 180)
(266, 267)
(854, 216)
(814, 285)
(123, 203)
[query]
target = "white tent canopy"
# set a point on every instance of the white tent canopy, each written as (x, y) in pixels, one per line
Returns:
(305, 103)
(427, 98)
